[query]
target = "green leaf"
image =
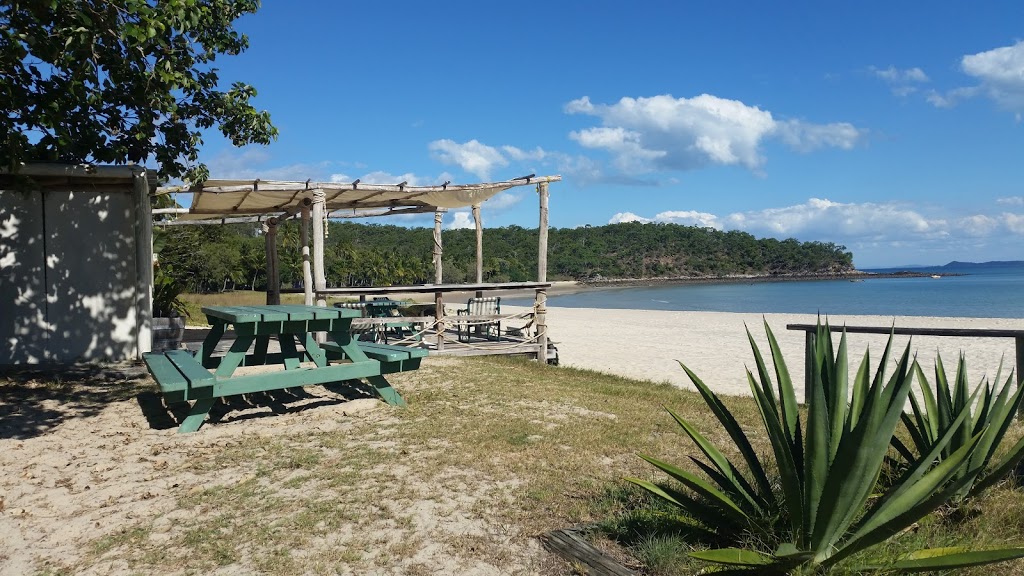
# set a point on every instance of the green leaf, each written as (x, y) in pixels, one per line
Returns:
(702, 488)
(733, 557)
(947, 559)
(789, 472)
(739, 438)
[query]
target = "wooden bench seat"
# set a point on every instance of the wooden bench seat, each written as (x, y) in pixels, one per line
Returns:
(180, 376)
(392, 358)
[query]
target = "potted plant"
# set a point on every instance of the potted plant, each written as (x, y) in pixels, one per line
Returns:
(168, 311)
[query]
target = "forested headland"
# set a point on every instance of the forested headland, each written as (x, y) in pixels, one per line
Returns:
(216, 258)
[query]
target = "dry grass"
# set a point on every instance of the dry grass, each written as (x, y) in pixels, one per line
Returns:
(489, 454)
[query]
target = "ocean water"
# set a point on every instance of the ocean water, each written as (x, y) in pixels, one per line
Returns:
(983, 292)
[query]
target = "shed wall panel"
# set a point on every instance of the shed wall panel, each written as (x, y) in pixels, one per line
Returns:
(91, 276)
(23, 328)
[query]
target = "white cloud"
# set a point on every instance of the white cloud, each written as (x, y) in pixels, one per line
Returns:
(519, 155)
(462, 221)
(1013, 222)
(663, 132)
(893, 74)
(823, 218)
(806, 137)
(1011, 201)
(502, 201)
(684, 217)
(1000, 73)
(952, 97)
(473, 157)
(884, 223)
(902, 82)
(622, 217)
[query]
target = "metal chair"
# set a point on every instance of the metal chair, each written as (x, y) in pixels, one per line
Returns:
(489, 306)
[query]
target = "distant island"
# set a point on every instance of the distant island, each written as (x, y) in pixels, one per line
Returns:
(955, 265)
(991, 264)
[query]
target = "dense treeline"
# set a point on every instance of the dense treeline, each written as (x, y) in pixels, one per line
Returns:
(214, 258)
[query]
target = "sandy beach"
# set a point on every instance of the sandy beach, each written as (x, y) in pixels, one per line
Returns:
(646, 344)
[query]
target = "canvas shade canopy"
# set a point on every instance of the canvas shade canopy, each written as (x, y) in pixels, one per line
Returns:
(216, 199)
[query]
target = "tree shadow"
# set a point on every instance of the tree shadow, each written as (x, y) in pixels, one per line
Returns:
(36, 399)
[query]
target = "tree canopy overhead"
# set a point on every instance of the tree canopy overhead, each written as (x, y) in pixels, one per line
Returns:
(118, 81)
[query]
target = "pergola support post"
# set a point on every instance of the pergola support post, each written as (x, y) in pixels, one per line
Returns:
(479, 248)
(438, 279)
(307, 271)
(273, 277)
(540, 305)
(319, 277)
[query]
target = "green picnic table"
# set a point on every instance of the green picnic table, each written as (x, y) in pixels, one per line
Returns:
(186, 378)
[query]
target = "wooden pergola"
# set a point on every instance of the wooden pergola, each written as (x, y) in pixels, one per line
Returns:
(272, 202)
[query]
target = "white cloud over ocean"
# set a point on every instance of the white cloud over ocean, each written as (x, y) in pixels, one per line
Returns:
(662, 132)
(885, 222)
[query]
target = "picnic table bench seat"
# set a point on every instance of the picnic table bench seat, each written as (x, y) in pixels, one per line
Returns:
(177, 372)
(392, 358)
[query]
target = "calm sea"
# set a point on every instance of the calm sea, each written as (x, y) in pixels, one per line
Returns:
(996, 292)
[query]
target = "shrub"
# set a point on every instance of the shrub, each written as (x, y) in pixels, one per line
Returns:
(827, 468)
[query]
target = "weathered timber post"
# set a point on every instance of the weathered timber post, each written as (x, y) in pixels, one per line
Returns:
(479, 248)
(542, 276)
(307, 273)
(273, 277)
(319, 277)
(438, 278)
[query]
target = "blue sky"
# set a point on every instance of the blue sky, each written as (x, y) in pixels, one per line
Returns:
(894, 128)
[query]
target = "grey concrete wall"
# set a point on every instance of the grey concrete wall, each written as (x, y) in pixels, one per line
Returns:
(23, 327)
(77, 252)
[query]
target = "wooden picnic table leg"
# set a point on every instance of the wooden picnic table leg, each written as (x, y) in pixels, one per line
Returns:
(259, 352)
(234, 357)
(288, 351)
(196, 415)
(313, 350)
(388, 394)
(210, 342)
(380, 384)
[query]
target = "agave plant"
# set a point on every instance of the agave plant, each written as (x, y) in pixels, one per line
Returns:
(990, 414)
(827, 469)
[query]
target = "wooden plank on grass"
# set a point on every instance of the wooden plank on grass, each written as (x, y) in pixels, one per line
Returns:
(569, 545)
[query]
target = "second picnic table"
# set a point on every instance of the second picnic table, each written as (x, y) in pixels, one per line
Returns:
(183, 378)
